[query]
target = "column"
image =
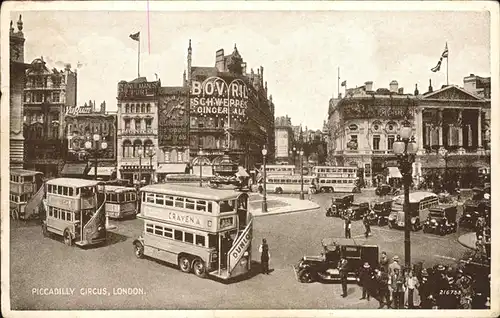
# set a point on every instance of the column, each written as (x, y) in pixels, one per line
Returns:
(420, 131)
(132, 124)
(461, 149)
(440, 127)
(479, 132)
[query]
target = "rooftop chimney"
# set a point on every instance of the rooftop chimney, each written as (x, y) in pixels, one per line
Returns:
(369, 86)
(430, 86)
(393, 86)
(416, 90)
(400, 90)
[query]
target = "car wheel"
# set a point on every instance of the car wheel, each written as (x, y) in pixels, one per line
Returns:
(305, 276)
(199, 268)
(184, 264)
(278, 191)
(138, 250)
(68, 240)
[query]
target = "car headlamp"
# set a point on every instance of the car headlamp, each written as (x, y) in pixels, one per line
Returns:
(246, 253)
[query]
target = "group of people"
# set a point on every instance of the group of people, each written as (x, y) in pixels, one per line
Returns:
(348, 223)
(397, 287)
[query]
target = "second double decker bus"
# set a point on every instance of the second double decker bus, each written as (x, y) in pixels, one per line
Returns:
(121, 202)
(336, 178)
(202, 230)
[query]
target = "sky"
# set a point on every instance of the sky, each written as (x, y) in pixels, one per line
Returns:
(300, 51)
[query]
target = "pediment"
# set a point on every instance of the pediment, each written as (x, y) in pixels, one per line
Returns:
(451, 93)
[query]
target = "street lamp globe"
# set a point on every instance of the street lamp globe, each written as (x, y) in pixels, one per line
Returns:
(405, 132)
(412, 147)
(200, 153)
(301, 152)
(398, 146)
(264, 152)
(104, 145)
(97, 137)
(139, 152)
(88, 145)
(294, 149)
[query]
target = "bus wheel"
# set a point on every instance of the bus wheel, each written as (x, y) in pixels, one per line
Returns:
(199, 268)
(184, 264)
(45, 232)
(68, 240)
(15, 214)
(139, 249)
(279, 190)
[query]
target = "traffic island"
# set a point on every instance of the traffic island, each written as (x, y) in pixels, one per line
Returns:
(468, 240)
(280, 205)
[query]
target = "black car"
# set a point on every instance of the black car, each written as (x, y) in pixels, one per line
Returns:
(380, 212)
(385, 189)
(474, 208)
(442, 220)
(340, 205)
(324, 268)
(358, 209)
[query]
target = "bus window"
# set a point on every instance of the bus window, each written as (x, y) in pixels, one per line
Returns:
(77, 191)
(201, 205)
(133, 196)
(200, 240)
(179, 202)
(77, 216)
(28, 179)
(120, 197)
(150, 197)
(158, 230)
(70, 192)
(188, 237)
(159, 199)
(169, 201)
(225, 206)
(65, 191)
(209, 206)
(213, 241)
(50, 210)
(149, 228)
(190, 204)
(86, 191)
(167, 232)
(177, 235)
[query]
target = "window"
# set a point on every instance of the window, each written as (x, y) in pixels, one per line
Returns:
(148, 108)
(127, 124)
(65, 191)
(51, 211)
(70, 192)
(149, 228)
(143, 108)
(148, 123)
(190, 204)
(167, 232)
(376, 142)
(390, 142)
(55, 97)
(159, 199)
(137, 124)
(158, 230)
(177, 235)
(188, 237)
(227, 206)
(169, 201)
(132, 108)
(127, 108)
(200, 240)
(179, 202)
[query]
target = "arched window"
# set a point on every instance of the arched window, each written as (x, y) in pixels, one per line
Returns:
(127, 149)
(143, 108)
(127, 109)
(148, 108)
(137, 146)
(148, 146)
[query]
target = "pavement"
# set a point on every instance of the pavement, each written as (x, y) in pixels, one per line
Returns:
(280, 205)
(468, 240)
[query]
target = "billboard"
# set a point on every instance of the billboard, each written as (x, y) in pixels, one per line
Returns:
(173, 120)
(137, 90)
(281, 143)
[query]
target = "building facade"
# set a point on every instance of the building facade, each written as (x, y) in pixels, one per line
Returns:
(48, 94)
(228, 88)
(450, 126)
(137, 129)
(17, 80)
(284, 141)
(81, 123)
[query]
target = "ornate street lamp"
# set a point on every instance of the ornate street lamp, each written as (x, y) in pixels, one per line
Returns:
(200, 154)
(150, 153)
(264, 200)
(301, 152)
(405, 149)
(140, 153)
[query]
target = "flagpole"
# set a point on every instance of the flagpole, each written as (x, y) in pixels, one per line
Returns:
(447, 70)
(138, 57)
(338, 82)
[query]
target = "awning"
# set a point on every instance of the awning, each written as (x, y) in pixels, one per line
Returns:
(74, 169)
(394, 172)
(102, 171)
(171, 168)
(241, 172)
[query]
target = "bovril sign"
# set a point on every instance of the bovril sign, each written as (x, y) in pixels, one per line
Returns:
(215, 96)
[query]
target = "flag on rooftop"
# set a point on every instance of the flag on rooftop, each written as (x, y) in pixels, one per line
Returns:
(135, 36)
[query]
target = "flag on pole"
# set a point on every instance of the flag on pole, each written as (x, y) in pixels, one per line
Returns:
(445, 52)
(136, 36)
(343, 83)
(444, 55)
(438, 66)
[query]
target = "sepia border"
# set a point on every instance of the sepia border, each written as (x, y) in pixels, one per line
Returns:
(9, 6)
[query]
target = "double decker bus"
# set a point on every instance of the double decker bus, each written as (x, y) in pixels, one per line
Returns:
(282, 170)
(202, 230)
(75, 210)
(121, 202)
(186, 178)
(26, 193)
(336, 179)
(288, 184)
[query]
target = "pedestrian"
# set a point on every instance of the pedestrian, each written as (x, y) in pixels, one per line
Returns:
(343, 275)
(264, 256)
(394, 265)
(310, 192)
(384, 294)
(411, 296)
(366, 223)
(384, 262)
(347, 226)
(365, 277)
(397, 287)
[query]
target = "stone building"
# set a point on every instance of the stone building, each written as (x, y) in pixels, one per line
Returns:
(48, 94)
(284, 140)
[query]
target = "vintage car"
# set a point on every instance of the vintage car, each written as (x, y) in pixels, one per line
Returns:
(420, 203)
(358, 210)
(442, 220)
(380, 212)
(324, 268)
(474, 208)
(386, 189)
(340, 205)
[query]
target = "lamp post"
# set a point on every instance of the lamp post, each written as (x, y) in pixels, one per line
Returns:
(301, 152)
(140, 153)
(200, 154)
(405, 149)
(150, 153)
(445, 177)
(264, 200)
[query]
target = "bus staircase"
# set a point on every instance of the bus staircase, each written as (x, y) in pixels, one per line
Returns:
(92, 225)
(240, 245)
(34, 205)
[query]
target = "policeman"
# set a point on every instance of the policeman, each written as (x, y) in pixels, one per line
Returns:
(343, 275)
(347, 224)
(366, 223)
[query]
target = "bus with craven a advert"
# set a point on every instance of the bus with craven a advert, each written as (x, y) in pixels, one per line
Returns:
(420, 203)
(337, 184)
(335, 171)
(187, 178)
(283, 170)
(121, 202)
(202, 230)
(288, 184)
(72, 203)
(24, 186)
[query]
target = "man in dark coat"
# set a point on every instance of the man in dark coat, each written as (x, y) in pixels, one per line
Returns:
(264, 256)
(347, 226)
(382, 281)
(343, 275)
(366, 223)
(384, 262)
(365, 277)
